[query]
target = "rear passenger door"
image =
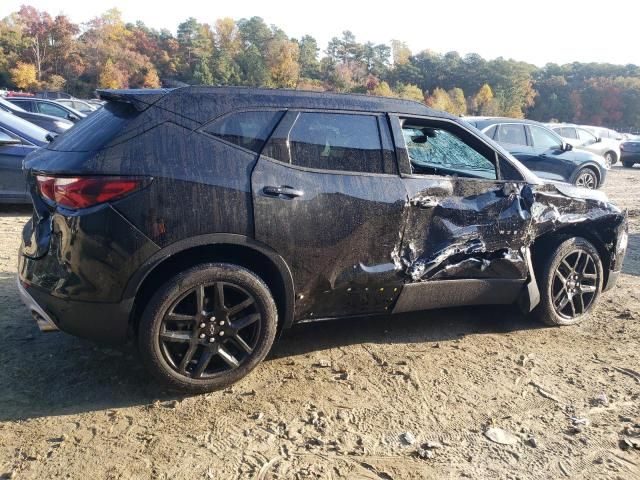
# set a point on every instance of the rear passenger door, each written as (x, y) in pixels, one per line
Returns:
(328, 198)
(12, 182)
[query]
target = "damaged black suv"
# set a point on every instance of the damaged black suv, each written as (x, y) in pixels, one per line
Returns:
(203, 221)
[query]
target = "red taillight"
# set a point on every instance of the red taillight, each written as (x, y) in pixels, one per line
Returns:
(83, 192)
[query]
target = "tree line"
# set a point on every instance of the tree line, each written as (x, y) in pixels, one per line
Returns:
(38, 51)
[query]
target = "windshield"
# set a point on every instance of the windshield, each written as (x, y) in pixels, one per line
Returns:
(24, 129)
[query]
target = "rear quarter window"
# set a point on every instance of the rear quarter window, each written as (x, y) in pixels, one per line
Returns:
(248, 130)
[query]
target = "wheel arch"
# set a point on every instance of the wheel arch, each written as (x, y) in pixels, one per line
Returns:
(591, 166)
(229, 248)
(541, 245)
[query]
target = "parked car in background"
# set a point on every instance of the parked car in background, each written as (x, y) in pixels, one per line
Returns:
(584, 139)
(47, 122)
(52, 94)
(301, 206)
(604, 132)
(18, 138)
(79, 105)
(630, 152)
(543, 151)
(47, 107)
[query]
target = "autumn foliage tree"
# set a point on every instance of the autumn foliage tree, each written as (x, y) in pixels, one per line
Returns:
(38, 50)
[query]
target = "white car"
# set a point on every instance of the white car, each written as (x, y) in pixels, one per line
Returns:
(582, 138)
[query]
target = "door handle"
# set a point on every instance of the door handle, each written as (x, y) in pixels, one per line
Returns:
(283, 191)
(425, 202)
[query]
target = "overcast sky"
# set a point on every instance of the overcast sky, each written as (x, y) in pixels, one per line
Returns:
(537, 31)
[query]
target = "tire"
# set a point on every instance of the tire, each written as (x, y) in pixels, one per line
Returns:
(626, 164)
(586, 288)
(194, 342)
(586, 178)
(610, 158)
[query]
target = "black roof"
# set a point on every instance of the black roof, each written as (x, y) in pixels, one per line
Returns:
(204, 103)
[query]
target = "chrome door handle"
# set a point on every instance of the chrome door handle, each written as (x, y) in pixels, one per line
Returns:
(283, 191)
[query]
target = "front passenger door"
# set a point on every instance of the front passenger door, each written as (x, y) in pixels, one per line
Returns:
(463, 237)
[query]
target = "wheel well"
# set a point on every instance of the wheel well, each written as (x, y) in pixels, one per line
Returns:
(241, 255)
(547, 242)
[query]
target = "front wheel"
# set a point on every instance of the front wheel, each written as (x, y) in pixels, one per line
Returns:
(586, 178)
(207, 327)
(570, 281)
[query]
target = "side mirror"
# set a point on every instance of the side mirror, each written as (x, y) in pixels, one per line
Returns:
(72, 117)
(567, 147)
(598, 139)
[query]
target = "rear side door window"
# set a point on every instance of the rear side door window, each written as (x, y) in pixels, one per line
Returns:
(512, 134)
(337, 142)
(249, 129)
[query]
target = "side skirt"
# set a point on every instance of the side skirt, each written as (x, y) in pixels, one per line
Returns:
(452, 293)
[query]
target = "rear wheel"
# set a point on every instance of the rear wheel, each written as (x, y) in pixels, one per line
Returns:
(586, 178)
(610, 159)
(570, 281)
(207, 327)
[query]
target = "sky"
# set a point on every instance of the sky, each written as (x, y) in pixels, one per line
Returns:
(536, 31)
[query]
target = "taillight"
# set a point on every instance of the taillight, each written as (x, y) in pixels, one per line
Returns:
(82, 192)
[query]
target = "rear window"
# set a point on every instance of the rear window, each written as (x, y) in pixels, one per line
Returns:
(96, 131)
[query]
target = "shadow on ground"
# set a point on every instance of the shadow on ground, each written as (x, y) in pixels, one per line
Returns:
(57, 374)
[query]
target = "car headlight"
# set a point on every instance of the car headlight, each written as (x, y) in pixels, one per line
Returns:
(62, 125)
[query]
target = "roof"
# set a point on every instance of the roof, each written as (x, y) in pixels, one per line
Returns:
(192, 101)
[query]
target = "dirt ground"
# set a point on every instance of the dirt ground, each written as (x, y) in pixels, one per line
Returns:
(404, 397)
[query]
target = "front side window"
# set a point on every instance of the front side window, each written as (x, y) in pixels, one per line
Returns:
(512, 134)
(6, 137)
(336, 141)
(54, 110)
(249, 130)
(543, 138)
(567, 132)
(587, 138)
(436, 151)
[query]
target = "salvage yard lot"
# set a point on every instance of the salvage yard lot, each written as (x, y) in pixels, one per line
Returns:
(398, 397)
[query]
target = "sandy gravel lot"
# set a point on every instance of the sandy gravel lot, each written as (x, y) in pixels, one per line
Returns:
(395, 398)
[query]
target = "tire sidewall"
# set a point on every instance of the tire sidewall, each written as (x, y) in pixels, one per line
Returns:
(164, 298)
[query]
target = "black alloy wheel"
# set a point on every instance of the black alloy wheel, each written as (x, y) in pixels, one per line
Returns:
(575, 284)
(569, 275)
(207, 327)
(210, 329)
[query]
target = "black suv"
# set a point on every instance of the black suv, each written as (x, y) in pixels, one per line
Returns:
(203, 221)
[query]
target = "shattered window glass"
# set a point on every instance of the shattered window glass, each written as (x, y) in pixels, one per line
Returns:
(246, 129)
(336, 141)
(434, 151)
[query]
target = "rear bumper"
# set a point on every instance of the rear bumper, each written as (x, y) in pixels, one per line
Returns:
(630, 157)
(102, 322)
(42, 318)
